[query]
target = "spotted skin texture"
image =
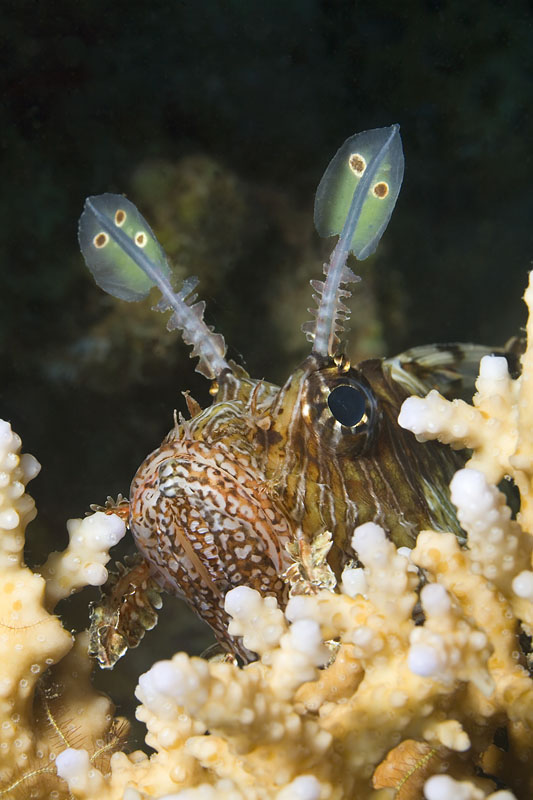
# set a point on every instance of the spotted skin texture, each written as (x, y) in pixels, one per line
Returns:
(204, 516)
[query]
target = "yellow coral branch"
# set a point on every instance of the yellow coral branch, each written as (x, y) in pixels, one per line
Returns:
(522, 459)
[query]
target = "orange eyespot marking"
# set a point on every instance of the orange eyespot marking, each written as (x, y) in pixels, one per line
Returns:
(100, 240)
(357, 164)
(380, 190)
(120, 217)
(141, 239)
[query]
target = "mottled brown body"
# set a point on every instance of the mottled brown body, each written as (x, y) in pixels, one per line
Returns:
(217, 503)
(204, 516)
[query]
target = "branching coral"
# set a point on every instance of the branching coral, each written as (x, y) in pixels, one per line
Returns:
(497, 427)
(327, 718)
(408, 680)
(47, 702)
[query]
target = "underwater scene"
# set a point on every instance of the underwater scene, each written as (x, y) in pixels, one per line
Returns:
(280, 542)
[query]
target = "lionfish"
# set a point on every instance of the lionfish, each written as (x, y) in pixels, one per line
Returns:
(268, 480)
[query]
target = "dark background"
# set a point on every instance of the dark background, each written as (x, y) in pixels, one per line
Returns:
(218, 119)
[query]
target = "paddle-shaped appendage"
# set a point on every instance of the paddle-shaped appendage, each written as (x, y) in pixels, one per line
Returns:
(355, 198)
(359, 189)
(126, 261)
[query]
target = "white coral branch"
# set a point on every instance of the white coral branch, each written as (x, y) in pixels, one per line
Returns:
(498, 547)
(489, 426)
(82, 563)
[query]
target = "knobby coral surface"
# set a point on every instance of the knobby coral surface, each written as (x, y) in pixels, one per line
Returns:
(408, 680)
(47, 703)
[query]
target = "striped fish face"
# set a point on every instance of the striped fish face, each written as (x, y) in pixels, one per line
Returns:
(339, 458)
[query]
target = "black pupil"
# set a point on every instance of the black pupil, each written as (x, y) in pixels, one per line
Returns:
(347, 404)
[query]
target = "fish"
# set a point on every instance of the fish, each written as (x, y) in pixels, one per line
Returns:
(265, 486)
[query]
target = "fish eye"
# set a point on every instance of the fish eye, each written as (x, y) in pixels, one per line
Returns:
(342, 410)
(348, 405)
